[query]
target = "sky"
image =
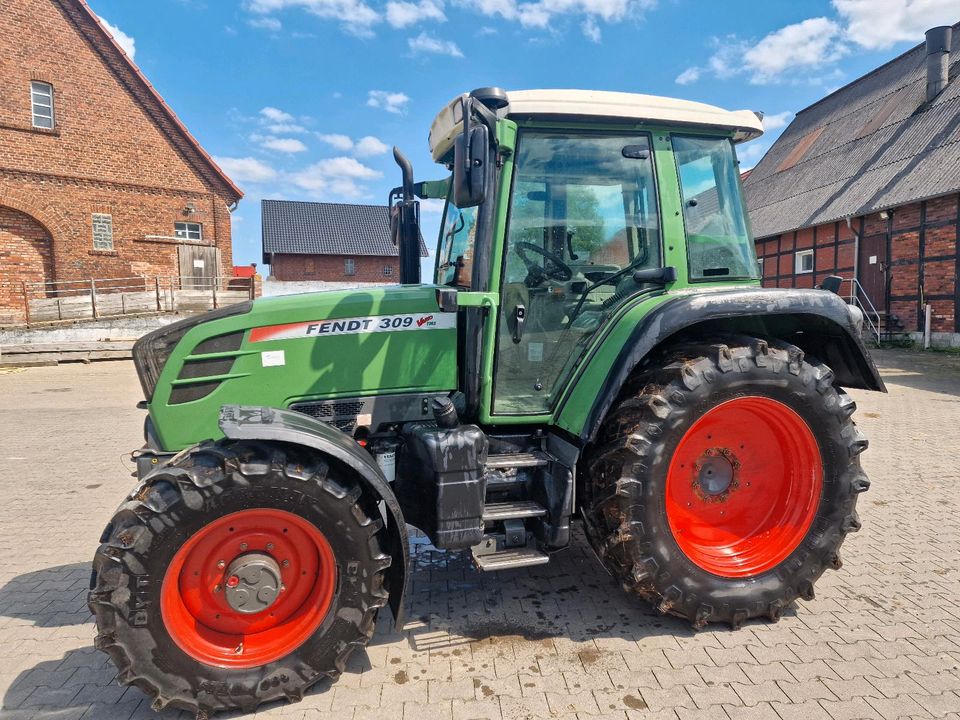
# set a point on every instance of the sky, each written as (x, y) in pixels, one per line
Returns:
(303, 99)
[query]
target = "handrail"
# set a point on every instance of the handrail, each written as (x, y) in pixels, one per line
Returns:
(856, 291)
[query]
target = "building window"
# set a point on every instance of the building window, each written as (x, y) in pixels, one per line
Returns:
(803, 262)
(41, 103)
(102, 231)
(309, 266)
(349, 267)
(760, 266)
(188, 231)
(387, 270)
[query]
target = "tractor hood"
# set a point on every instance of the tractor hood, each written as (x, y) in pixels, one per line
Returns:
(295, 349)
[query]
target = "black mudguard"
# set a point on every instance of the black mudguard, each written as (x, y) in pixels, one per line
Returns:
(244, 422)
(818, 322)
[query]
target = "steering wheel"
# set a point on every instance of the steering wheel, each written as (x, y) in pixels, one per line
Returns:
(558, 269)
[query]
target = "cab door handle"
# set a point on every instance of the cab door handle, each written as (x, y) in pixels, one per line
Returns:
(519, 319)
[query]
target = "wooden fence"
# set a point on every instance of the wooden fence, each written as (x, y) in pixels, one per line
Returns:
(116, 297)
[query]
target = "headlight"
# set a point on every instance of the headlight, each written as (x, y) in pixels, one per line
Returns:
(151, 352)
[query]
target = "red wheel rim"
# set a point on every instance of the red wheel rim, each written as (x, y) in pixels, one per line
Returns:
(743, 487)
(193, 602)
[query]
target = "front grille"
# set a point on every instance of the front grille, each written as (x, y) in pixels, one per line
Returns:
(340, 414)
(206, 367)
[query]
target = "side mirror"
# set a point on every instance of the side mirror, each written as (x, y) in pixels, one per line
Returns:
(471, 153)
(660, 275)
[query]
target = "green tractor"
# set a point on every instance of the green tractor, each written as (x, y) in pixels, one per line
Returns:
(594, 345)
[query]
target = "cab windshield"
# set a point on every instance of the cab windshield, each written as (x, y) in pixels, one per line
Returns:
(718, 237)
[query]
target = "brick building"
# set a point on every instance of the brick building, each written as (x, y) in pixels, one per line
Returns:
(865, 184)
(329, 242)
(98, 177)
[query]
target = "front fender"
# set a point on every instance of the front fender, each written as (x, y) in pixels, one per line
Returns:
(244, 422)
(818, 322)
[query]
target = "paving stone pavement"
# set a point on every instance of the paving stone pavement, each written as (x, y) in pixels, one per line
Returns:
(882, 639)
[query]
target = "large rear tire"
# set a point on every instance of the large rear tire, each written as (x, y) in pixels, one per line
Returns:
(724, 481)
(238, 574)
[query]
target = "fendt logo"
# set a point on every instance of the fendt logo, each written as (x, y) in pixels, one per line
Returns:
(354, 326)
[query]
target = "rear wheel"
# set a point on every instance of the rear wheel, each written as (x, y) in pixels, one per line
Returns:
(239, 574)
(725, 479)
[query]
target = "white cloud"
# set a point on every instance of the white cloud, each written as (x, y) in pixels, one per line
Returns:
(402, 14)
(749, 154)
(125, 41)
(338, 177)
(285, 145)
(355, 15)
(591, 29)
(276, 115)
(690, 75)
(281, 128)
(368, 146)
(265, 23)
(424, 43)
(246, 169)
(777, 121)
(541, 13)
(878, 24)
(808, 44)
(392, 102)
(788, 53)
(340, 142)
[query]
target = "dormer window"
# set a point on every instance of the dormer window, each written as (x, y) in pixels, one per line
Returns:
(41, 105)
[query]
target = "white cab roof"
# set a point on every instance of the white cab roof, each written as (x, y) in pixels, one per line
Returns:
(569, 104)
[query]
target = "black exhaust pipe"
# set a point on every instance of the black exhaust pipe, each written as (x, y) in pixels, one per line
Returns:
(405, 222)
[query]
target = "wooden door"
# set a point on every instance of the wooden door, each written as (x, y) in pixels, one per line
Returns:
(199, 265)
(872, 270)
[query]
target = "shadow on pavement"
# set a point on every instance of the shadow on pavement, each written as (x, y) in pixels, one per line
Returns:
(52, 597)
(934, 372)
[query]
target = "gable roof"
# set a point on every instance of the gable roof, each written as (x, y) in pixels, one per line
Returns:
(873, 144)
(315, 228)
(137, 84)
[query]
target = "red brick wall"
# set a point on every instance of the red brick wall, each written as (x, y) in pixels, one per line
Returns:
(25, 253)
(922, 265)
(112, 151)
(330, 268)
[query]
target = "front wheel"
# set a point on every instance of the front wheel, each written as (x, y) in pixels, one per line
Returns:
(725, 480)
(238, 574)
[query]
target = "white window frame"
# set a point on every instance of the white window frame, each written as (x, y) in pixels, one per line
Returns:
(102, 236)
(760, 266)
(41, 99)
(190, 231)
(349, 267)
(798, 262)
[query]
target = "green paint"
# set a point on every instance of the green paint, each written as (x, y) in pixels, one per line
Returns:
(325, 366)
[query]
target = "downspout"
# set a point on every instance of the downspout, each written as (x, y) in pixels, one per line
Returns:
(856, 259)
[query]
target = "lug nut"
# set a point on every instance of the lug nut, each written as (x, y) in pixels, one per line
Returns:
(269, 546)
(233, 581)
(243, 546)
(221, 564)
(217, 588)
(286, 563)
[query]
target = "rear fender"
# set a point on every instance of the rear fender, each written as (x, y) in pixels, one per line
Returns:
(820, 323)
(244, 422)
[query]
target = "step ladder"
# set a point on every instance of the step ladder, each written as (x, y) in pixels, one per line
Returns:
(509, 543)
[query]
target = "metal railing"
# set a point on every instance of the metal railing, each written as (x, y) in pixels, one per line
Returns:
(97, 298)
(859, 298)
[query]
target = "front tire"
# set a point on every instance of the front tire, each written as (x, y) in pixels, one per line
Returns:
(238, 574)
(724, 481)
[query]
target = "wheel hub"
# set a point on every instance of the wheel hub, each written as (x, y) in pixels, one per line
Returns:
(253, 583)
(716, 474)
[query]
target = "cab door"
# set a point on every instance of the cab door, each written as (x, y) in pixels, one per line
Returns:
(583, 217)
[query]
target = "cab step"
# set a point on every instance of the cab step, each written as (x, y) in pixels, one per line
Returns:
(515, 460)
(511, 558)
(512, 510)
